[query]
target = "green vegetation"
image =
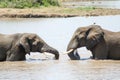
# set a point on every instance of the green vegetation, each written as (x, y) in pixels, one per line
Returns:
(77, 10)
(87, 8)
(27, 3)
(49, 3)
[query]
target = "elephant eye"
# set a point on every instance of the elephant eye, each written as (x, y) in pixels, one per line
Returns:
(81, 32)
(77, 38)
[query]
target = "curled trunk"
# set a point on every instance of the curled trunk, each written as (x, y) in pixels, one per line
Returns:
(51, 50)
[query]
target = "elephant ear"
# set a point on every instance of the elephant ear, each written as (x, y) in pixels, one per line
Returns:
(95, 35)
(24, 41)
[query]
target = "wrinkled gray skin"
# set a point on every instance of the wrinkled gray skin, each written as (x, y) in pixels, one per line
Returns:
(102, 43)
(14, 47)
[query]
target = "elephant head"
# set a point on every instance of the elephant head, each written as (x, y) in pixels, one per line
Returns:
(33, 43)
(87, 37)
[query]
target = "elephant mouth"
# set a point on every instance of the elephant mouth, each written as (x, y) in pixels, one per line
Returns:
(69, 51)
(73, 54)
(74, 51)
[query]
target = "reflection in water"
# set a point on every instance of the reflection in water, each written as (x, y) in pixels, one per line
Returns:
(57, 33)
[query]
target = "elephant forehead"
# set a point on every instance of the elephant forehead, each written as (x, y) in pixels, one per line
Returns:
(32, 36)
(92, 35)
(81, 36)
(82, 29)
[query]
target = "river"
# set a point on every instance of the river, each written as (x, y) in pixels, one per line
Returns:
(57, 32)
(95, 3)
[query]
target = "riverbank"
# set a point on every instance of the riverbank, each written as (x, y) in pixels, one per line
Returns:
(48, 12)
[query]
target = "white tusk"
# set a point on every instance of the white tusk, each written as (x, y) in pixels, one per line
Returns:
(44, 53)
(48, 55)
(68, 51)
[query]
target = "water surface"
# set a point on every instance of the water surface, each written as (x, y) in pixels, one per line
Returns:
(60, 70)
(95, 3)
(57, 32)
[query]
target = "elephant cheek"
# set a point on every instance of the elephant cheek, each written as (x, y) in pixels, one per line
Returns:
(90, 44)
(72, 45)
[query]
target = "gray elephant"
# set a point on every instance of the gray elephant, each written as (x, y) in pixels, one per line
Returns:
(102, 43)
(14, 47)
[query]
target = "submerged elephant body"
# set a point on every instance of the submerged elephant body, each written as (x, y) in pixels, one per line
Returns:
(102, 43)
(14, 47)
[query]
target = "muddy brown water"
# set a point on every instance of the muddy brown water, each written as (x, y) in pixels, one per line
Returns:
(57, 33)
(60, 70)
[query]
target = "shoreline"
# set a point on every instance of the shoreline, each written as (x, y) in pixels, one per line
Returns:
(53, 12)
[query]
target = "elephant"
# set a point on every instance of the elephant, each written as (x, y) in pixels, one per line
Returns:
(102, 43)
(14, 47)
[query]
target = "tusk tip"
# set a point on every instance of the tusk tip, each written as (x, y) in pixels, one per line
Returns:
(68, 51)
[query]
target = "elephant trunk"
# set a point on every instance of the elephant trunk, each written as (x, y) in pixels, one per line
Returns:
(47, 48)
(72, 52)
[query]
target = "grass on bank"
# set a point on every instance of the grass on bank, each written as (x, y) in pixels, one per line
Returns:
(21, 4)
(40, 7)
(27, 3)
(78, 10)
(56, 12)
